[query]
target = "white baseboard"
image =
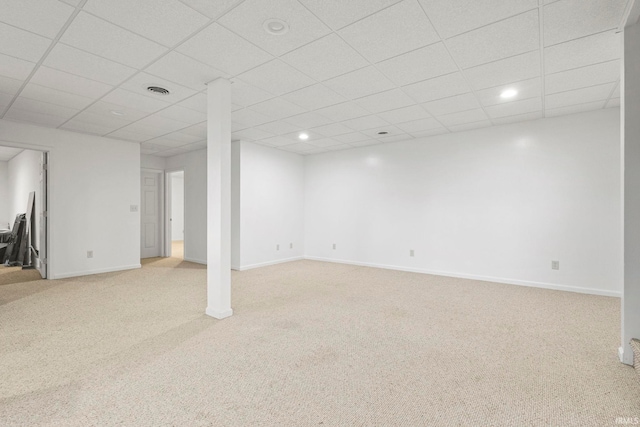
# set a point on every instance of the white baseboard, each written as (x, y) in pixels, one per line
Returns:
(264, 264)
(621, 353)
(507, 281)
(197, 261)
(96, 271)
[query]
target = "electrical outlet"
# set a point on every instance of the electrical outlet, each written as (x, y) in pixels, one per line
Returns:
(555, 265)
(277, 247)
(133, 208)
(89, 254)
(411, 253)
(290, 245)
(334, 246)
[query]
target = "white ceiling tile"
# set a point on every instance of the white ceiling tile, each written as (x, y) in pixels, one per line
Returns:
(278, 141)
(35, 118)
(365, 143)
(134, 100)
(164, 21)
(224, 50)
(299, 147)
(183, 114)
(15, 68)
(156, 143)
(463, 117)
(395, 30)
(580, 52)
(237, 126)
(515, 108)
(338, 14)
(160, 125)
(104, 109)
(332, 129)
(185, 71)
(172, 152)
(392, 131)
(5, 100)
(396, 138)
(244, 94)
(572, 109)
(129, 135)
(141, 81)
(109, 41)
(9, 86)
(308, 120)
(95, 123)
(452, 17)
(325, 143)
(248, 18)
(344, 111)
(579, 96)
(415, 126)
(518, 118)
(404, 114)
(430, 132)
(197, 102)
(350, 138)
(325, 58)
(526, 89)
(212, 9)
(40, 107)
(276, 77)
(439, 87)
(8, 153)
(314, 97)
(569, 19)
(504, 71)
(582, 77)
(452, 104)
(80, 63)
(252, 135)
(54, 96)
(277, 127)
(420, 64)
(60, 80)
(470, 126)
(199, 130)
(44, 17)
(616, 93)
(181, 137)
(384, 101)
(278, 108)
(359, 83)
(613, 102)
(510, 37)
(366, 123)
(22, 44)
(249, 117)
(73, 3)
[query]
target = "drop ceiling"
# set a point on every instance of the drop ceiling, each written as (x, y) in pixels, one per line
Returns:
(344, 71)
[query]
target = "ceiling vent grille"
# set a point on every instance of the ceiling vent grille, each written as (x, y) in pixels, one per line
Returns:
(159, 90)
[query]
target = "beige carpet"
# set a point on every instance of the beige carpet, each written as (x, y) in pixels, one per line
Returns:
(310, 344)
(10, 275)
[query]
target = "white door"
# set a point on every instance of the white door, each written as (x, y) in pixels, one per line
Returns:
(150, 215)
(41, 262)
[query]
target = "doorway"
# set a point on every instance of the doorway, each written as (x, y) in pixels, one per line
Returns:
(150, 214)
(176, 235)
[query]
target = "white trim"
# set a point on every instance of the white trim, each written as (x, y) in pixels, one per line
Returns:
(97, 271)
(621, 353)
(197, 261)
(264, 264)
(507, 281)
(219, 314)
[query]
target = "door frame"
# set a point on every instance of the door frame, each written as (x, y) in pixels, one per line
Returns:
(167, 210)
(161, 194)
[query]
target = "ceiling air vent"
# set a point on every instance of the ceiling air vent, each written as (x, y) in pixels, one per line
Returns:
(159, 90)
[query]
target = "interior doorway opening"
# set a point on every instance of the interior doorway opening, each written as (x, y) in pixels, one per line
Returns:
(175, 228)
(24, 217)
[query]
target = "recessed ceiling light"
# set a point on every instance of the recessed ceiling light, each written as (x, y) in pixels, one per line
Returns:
(117, 113)
(383, 132)
(159, 90)
(303, 136)
(274, 26)
(508, 93)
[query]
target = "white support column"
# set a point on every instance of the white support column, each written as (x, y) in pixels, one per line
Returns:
(219, 199)
(630, 111)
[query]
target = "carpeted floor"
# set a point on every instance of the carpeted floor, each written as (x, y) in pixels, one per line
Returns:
(10, 275)
(309, 344)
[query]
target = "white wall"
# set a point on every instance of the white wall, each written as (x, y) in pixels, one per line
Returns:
(23, 178)
(93, 182)
(177, 206)
(271, 203)
(631, 160)
(498, 203)
(147, 161)
(5, 216)
(194, 165)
